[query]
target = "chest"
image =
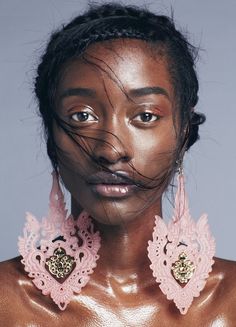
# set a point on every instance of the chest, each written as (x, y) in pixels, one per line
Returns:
(105, 315)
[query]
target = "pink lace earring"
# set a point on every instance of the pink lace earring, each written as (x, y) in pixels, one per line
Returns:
(59, 253)
(181, 253)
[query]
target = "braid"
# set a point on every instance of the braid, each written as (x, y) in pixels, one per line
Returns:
(113, 21)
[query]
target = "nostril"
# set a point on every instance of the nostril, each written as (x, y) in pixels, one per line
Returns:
(105, 155)
(103, 161)
(125, 158)
(111, 161)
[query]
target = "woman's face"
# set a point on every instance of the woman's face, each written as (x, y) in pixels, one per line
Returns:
(118, 100)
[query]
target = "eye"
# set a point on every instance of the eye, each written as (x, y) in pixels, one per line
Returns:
(146, 117)
(83, 116)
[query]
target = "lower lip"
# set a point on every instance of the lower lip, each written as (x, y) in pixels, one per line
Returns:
(113, 191)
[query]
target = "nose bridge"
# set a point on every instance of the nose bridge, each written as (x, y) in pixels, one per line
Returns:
(111, 142)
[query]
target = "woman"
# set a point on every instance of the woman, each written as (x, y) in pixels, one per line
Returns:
(117, 90)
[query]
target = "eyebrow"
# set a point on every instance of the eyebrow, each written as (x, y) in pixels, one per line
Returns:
(148, 91)
(78, 91)
(139, 92)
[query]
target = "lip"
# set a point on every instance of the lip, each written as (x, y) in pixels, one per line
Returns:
(113, 178)
(113, 191)
(112, 185)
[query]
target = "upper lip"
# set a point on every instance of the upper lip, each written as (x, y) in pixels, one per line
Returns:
(115, 178)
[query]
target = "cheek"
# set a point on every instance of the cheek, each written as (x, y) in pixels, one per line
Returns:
(69, 152)
(71, 165)
(154, 150)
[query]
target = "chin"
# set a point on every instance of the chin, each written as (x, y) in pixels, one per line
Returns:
(112, 214)
(116, 211)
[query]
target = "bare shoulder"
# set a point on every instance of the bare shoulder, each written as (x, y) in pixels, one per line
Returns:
(13, 283)
(22, 304)
(225, 296)
(227, 270)
(11, 272)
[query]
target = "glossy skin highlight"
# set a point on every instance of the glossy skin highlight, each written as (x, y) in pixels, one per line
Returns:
(122, 291)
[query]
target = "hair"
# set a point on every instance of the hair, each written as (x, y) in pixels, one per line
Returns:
(112, 21)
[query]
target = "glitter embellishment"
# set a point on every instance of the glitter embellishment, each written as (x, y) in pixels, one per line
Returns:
(60, 264)
(183, 269)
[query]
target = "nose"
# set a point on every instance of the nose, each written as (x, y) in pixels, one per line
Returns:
(109, 149)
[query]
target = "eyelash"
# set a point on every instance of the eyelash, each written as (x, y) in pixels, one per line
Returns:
(81, 113)
(144, 117)
(157, 117)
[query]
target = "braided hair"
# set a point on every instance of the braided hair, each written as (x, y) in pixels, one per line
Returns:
(113, 21)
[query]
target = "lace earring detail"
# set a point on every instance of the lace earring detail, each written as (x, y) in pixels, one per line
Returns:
(59, 253)
(181, 253)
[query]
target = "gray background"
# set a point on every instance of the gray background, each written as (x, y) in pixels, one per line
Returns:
(25, 169)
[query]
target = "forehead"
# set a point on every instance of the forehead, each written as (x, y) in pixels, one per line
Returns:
(130, 63)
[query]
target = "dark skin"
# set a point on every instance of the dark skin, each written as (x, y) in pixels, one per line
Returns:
(122, 290)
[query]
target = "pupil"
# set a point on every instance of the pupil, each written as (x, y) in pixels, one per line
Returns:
(82, 116)
(146, 117)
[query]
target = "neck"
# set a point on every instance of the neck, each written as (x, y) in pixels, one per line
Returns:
(124, 247)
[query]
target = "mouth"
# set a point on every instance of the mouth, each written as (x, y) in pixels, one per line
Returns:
(112, 185)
